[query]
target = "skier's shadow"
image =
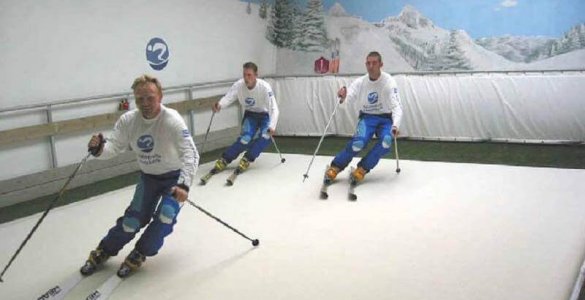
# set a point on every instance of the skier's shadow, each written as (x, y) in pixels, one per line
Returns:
(216, 269)
(276, 165)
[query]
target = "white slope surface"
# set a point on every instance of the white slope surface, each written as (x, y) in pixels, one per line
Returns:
(435, 231)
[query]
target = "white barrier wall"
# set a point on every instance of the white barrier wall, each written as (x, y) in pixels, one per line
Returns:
(533, 107)
(536, 106)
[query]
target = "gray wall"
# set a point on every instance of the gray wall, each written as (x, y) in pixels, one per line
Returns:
(58, 50)
(70, 48)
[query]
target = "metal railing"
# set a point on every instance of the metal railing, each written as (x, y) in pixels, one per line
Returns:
(116, 96)
(211, 84)
(49, 107)
(433, 73)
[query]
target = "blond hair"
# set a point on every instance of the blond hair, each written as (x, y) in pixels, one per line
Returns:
(144, 79)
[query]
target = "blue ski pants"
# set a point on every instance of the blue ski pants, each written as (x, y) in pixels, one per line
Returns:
(368, 125)
(146, 209)
(254, 137)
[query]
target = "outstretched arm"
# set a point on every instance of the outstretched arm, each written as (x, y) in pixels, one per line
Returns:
(228, 98)
(116, 143)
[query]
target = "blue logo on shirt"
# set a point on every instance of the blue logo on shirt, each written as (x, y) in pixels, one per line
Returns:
(186, 133)
(250, 101)
(145, 143)
(372, 97)
(157, 53)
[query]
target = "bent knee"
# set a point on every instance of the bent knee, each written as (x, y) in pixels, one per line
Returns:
(387, 141)
(167, 214)
(130, 224)
(245, 139)
(357, 145)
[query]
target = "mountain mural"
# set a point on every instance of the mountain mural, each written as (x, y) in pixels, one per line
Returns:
(530, 49)
(412, 42)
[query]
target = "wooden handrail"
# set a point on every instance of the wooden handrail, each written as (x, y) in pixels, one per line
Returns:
(34, 132)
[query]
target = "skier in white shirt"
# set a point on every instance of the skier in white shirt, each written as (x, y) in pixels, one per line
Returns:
(168, 160)
(259, 122)
(380, 114)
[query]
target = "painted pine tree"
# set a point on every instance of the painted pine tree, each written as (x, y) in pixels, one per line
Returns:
(263, 12)
(454, 58)
(297, 39)
(314, 34)
(280, 28)
(574, 39)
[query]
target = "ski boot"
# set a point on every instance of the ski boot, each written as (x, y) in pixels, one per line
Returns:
(132, 262)
(331, 174)
(220, 165)
(357, 175)
(244, 164)
(96, 259)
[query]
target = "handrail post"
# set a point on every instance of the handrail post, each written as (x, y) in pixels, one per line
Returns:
(52, 150)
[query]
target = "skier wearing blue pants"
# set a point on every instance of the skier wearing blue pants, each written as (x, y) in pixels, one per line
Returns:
(168, 161)
(380, 115)
(259, 122)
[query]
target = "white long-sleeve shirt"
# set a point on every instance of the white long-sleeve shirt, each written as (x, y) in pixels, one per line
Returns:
(259, 99)
(377, 97)
(161, 144)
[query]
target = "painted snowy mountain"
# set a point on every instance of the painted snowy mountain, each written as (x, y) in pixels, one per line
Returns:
(411, 41)
(337, 11)
(518, 48)
(431, 48)
(566, 61)
(531, 49)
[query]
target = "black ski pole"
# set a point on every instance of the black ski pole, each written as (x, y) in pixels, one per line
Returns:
(282, 160)
(306, 175)
(207, 133)
(255, 242)
(396, 154)
(44, 215)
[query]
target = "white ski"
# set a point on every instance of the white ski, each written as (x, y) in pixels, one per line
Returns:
(61, 290)
(105, 290)
(323, 194)
(351, 195)
(230, 181)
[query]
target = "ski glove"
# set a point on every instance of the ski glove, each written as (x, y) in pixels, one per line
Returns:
(97, 149)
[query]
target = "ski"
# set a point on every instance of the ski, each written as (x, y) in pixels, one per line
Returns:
(230, 180)
(323, 194)
(61, 290)
(206, 178)
(351, 195)
(105, 289)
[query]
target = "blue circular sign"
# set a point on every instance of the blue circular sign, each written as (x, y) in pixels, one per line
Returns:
(157, 53)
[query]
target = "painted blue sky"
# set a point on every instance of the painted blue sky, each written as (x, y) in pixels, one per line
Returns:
(479, 18)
